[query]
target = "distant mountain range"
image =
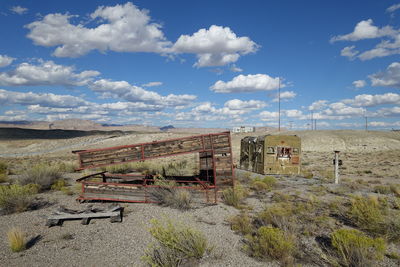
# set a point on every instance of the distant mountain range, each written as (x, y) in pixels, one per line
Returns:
(87, 125)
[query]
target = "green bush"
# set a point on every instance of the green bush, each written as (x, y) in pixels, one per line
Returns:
(176, 244)
(234, 196)
(265, 183)
(354, 248)
(281, 215)
(367, 214)
(3, 167)
(3, 172)
(241, 223)
(271, 243)
(43, 175)
(16, 198)
(58, 184)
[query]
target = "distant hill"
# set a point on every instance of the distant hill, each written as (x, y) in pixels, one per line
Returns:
(166, 128)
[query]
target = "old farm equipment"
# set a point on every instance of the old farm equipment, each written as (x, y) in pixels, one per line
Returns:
(271, 154)
(215, 170)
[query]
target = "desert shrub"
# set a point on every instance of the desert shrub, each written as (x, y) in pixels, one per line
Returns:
(280, 215)
(234, 196)
(178, 168)
(367, 214)
(176, 244)
(58, 184)
(42, 175)
(241, 223)
(354, 248)
(68, 166)
(119, 168)
(395, 190)
(270, 243)
(3, 177)
(382, 189)
(3, 172)
(16, 240)
(66, 190)
(170, 195)
(265, 183)
(306, 173)
(16, 198)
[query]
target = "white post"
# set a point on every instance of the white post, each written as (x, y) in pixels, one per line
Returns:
(336, 166)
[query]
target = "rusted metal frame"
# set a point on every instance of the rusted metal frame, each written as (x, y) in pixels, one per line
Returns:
(142, 185)
(142, 150)
(148, 143)
(90, 175)
(115, 199)
(231, 156)
(136, 160)
(214, 169)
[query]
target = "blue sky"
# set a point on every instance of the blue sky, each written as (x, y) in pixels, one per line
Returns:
(202, 63)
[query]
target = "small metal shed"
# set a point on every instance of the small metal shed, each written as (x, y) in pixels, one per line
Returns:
(271, 154)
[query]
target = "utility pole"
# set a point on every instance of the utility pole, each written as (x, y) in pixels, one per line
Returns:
(315, 124)
(312, 119)
(279, 103)
(290, 125)
(366, 120)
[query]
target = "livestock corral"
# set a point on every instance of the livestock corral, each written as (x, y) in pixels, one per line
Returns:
(243, 217)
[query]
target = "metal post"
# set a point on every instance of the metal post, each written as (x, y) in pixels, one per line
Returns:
(279, 104)
(312, 120)
(336, 166)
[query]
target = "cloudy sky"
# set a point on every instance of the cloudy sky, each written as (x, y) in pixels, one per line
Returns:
(202, 63)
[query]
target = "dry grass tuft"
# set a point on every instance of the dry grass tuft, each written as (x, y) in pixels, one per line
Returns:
(16, 240)
(170, 195)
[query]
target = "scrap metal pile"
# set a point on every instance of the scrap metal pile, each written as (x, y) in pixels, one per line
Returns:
(215, 170)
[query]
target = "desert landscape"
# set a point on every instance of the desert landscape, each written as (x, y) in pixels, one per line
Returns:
(307, 213)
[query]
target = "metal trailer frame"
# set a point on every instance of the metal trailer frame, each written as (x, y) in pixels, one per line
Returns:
(203, 185)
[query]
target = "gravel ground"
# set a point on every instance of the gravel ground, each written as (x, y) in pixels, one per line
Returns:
(102, 243)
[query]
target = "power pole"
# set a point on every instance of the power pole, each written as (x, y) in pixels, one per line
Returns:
(290, 125)
(312, 119)
(366, 120)
(315, 124)
(279, 103)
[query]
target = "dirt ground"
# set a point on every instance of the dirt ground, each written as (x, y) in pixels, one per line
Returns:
(369, 159)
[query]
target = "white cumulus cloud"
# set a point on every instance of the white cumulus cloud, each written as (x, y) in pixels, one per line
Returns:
(388, 78)
(366, 100)
(132, 93)
(216, 46)
(237, 104)
(5, 60)
(43, 99)
(152, 84)
(365, 30)
(19, 10)
(285, 95)
(125, 29)
(46, 73)
(247, 83)
(393, 8)
(349, 52)
(359, 83)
